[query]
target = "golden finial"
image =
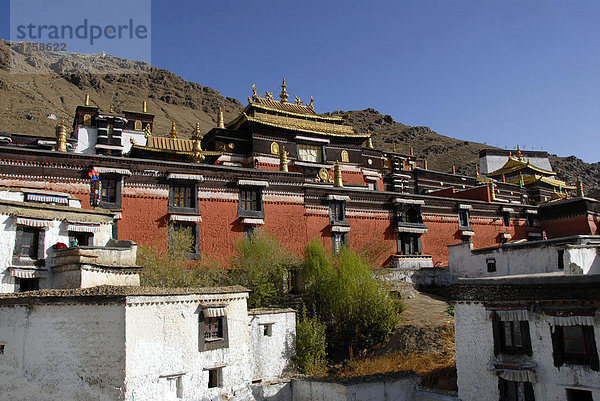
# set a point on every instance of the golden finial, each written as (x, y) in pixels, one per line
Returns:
(311, 104)
(283, 161)
(394, 146)
(110, 108)
(477, 169)
(61, 137)
(268, 95)
(196, 134)
(87, 99)
(173, 133)
(283, 96)
(503, 178)
(197, 155)
(145, 106)
(453, 169)
(412, 151)
(370, 140)
(297, 100)
(220, 122)
(519, 154)
(493, 190)
(337, 175)
(255, 95)
(579, 185)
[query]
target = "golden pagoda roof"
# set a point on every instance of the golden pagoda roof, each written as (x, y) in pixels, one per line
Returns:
(530, 179)
(294, 108)
(515, 164)
(172, 145)
(308, 126)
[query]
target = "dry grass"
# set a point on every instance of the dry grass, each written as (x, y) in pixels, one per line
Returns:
(438, 370)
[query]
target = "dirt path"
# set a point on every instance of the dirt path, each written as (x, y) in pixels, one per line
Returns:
(423, 309)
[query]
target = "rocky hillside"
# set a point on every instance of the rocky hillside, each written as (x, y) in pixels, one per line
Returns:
(50, 83)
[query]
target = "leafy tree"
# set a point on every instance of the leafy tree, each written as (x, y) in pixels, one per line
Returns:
(341, 289)
(310, 345)
(262, 264)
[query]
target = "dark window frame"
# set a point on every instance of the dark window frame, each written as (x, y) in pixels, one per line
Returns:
(509, 390)
(491, 265)
(504, 345)
(29, 284)
(87, 237)
(205, 344)
(506, 219)
(409, 244)
(249, 207)
(111, 203)
(561, 261)
(195, 231)
(337, 212)
(215, 377)
(20, 259)
(343, 241)
(578, 394)
(464, 217)
(192, 187)
(589, 358)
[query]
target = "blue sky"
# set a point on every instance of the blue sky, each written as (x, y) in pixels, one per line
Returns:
(501, 72)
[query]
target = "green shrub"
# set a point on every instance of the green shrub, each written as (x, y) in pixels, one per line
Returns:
(262, 264)
(358, 311)
(310, 355)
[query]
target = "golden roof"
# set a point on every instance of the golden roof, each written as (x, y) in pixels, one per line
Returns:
(514, 164)
(301, 109)
(172, 144)
(530, 179)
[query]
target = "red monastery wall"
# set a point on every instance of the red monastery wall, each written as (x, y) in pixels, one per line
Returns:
(570, 225)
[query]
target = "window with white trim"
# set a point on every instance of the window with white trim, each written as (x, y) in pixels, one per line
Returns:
(212, 329)
(310, 153)
(215, 377)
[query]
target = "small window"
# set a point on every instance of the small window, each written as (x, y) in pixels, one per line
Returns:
(515, 391)
(530, 220)
(108, 189)
(81, 239)
(215, 377)
(506, 219)
(182, 196)
(212, 330)
(174, 387)
(250, 202)
(184, 234)
(576, 345)
(409, 244)
(372, 185)
(310, 153)
(463, 219)
(30, 243)
(2, 346)
(337, 212)
(29, 284)
(411, 214)
(579, 395)
(561, 259)
(339, 240)
(511, 337)
(491, 265)
(268, 330)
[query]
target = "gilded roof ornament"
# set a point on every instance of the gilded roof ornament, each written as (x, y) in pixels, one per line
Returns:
(297, 100)
(220, 121)
(196, 134)
(111, 109)
(310, 105)
(145, 106)
(173, 133)
(268, 95)
(61, 137)
(255, 95)
(283, 161)
(579, 185)
(370, 140)
(87, 99)
(283, 96)
(337, 175)
(147, 131)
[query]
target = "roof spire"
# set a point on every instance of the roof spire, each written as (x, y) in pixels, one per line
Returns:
(111, 109)
(220, 122)
(521, 181)
(173, 133)
(454, 169)
(283, 96)
(370, 140)
(337, 175)
(144, 106)
(283, 161)
(196, 134)
(61, 137)
(579, 185)
(87, 99)
(519, 154)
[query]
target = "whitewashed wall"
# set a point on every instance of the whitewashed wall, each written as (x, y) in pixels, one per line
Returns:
(62, 352)
(475, 349)
(582, 259)
(271, 355)
(86, 140)
(162, 339)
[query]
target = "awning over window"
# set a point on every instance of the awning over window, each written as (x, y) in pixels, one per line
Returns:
(252, 183)
(338, 197)
(23, 221)
(340, 229)
(186, 218)
(189, 177)
(408, 201)
(112, 170)
(508, 313)
(572, 319)
(48, 199)
(214, 311)
(253, 222)
(463, 206)
(515, 372)
(411, 230)
(28, 272)
(83, 227)
(507, 210)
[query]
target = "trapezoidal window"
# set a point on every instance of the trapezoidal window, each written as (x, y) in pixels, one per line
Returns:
(310, 153)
